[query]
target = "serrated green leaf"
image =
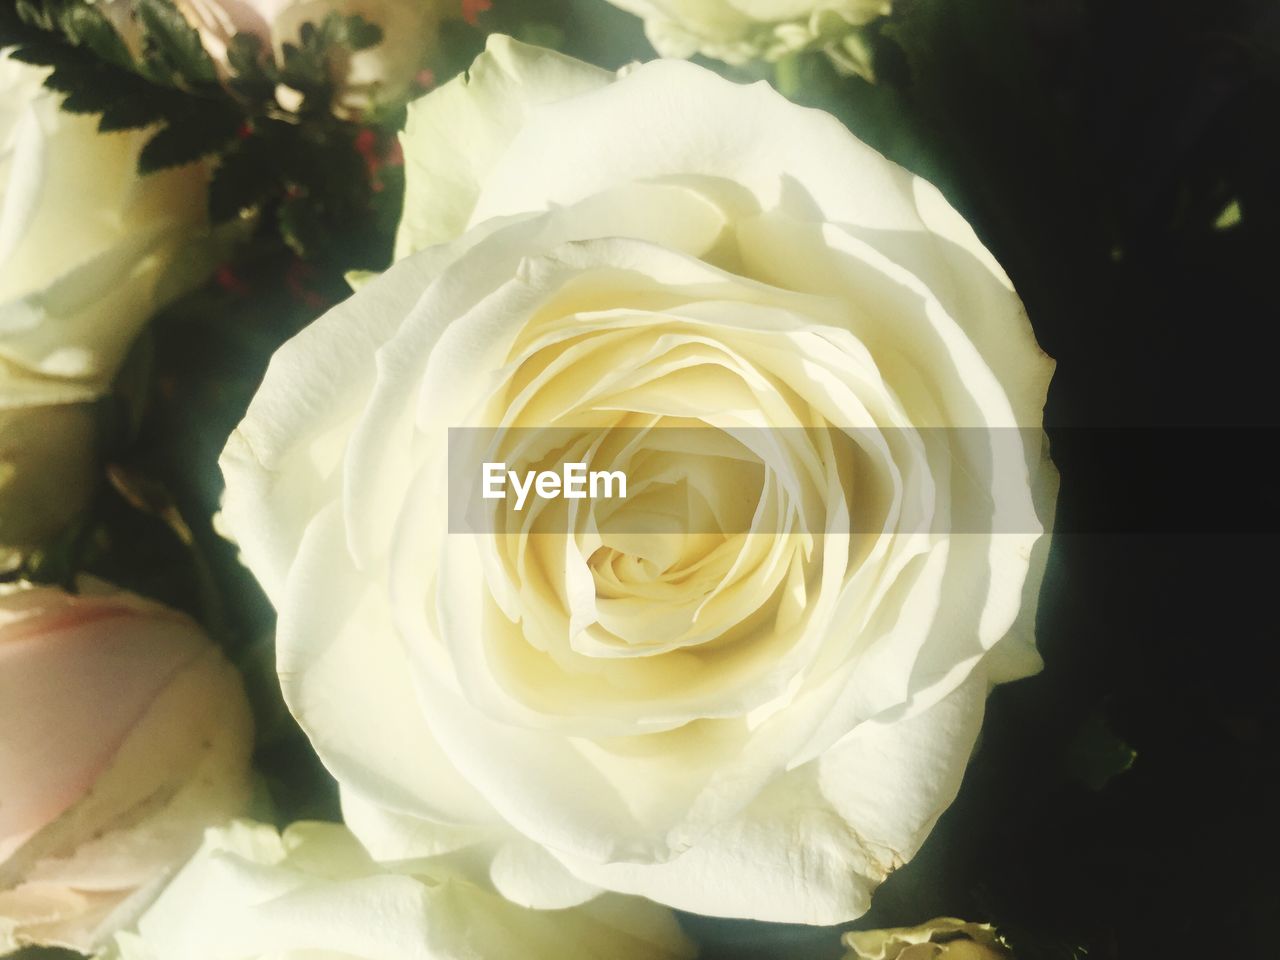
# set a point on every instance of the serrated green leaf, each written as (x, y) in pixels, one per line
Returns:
(33, 13)
(128, 113)
(173, 44)
(87, 26)
(45, 55)
(187, 140)
(252, 72)
(76, 77)
(89, 99)
(244, 54)
(247, 58)
(362, 34)
(294, 60)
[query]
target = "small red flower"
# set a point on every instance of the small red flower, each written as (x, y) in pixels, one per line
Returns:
(471, 9)
(367, 144)
(230, 281)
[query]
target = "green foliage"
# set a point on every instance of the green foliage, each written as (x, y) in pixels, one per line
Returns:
(311, 66)
(127, 113)
(87, 26)
(301, 166)
(242, 178)
(91, 64)
(252, 75)
(188, 138)
(172, 48)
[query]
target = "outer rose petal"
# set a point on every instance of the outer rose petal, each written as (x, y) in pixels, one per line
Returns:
(457, 133)
(341, 668)
(790, 158)
(798, 159)
(517, 868)
(251, 893)
(816, 843)
(283, 463)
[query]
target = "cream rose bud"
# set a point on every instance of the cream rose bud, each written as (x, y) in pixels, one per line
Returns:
(376, 75)
(755, 724)
(124, 733)
(88, 248)
(737, 31)
(254, 894)
(941, 939)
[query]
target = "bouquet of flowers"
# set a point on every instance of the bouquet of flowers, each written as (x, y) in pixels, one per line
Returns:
(625, 479)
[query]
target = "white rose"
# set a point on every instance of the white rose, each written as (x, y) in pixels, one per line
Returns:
(737, 31)
(376, 75)
(942, 939)
(251, 892)
(578, 247)
(88, 248)
(124, 735)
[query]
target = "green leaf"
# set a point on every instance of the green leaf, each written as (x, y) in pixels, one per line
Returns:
(244, 54)
(301, 68)
(46, 54)
(87, 26)
(243, 179)
(86, 97)
(173, 45)
(309, 66)
(128, 113)
(188, 139)
(33, 14)
(253, 73)
(361, 34)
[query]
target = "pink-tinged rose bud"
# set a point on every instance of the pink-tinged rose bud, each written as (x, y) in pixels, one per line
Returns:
(124, 733)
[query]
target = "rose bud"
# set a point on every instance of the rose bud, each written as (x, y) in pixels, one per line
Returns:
(739, 31)
(941, 939)
(124, 733)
